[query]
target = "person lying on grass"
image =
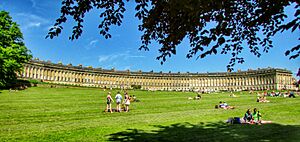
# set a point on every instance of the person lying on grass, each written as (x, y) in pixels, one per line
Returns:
(224, 105)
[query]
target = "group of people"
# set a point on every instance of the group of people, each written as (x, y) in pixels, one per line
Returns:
(249, 118)
(254, 117)
(262, 99)
(289, 94)
(119, 98)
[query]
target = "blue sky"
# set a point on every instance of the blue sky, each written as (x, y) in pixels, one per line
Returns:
(121, 52)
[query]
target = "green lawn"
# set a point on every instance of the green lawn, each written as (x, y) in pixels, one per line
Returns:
(76, 114)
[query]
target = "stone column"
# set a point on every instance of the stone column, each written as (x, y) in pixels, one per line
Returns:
(42, 73)
(26, 70)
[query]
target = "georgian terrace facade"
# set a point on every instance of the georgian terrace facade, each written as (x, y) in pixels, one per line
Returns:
(260, 79)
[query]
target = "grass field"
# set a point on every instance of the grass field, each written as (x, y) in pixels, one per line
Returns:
(76, 114)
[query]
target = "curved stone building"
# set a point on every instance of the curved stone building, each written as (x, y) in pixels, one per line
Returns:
(261, 79)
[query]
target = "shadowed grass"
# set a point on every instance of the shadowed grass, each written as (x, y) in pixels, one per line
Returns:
(76, 114)
(216, 131)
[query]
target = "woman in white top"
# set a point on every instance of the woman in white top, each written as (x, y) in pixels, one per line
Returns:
(127, 102)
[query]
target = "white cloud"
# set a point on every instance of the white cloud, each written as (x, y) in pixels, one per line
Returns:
(103, 58)
(110, 57)
(28, 21)
(33, 24)
(120, 56)
(93, 42)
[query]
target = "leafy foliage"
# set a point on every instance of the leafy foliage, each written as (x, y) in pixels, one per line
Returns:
(12, 50)
(225, 26)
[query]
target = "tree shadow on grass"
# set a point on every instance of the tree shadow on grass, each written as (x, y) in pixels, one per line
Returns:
(218, 131)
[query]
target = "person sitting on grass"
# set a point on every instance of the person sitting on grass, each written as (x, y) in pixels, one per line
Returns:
(248, 116)
(262, 100)
(291, 94)
(277, 94)
(232, 95)
(256, 118)
(251, 91)
(134, 99)
(198, 97)
(286, 94)
(109, 100)
(272, 94)
(258, 94)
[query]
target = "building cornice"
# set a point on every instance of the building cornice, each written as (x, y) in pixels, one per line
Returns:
(83, 69)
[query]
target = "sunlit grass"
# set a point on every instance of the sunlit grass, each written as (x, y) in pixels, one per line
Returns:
(76, 114)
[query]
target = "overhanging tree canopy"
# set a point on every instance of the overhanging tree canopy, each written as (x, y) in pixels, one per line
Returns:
(211, 26)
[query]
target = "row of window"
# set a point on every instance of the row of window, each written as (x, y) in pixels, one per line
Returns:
(185, 82)
(86, 80)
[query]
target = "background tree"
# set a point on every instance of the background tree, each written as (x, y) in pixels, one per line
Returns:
(223, 26)
(13, 52)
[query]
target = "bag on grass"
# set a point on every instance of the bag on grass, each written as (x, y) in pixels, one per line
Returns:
(236, 120)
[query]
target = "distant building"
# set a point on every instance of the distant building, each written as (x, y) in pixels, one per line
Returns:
(261, 79)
